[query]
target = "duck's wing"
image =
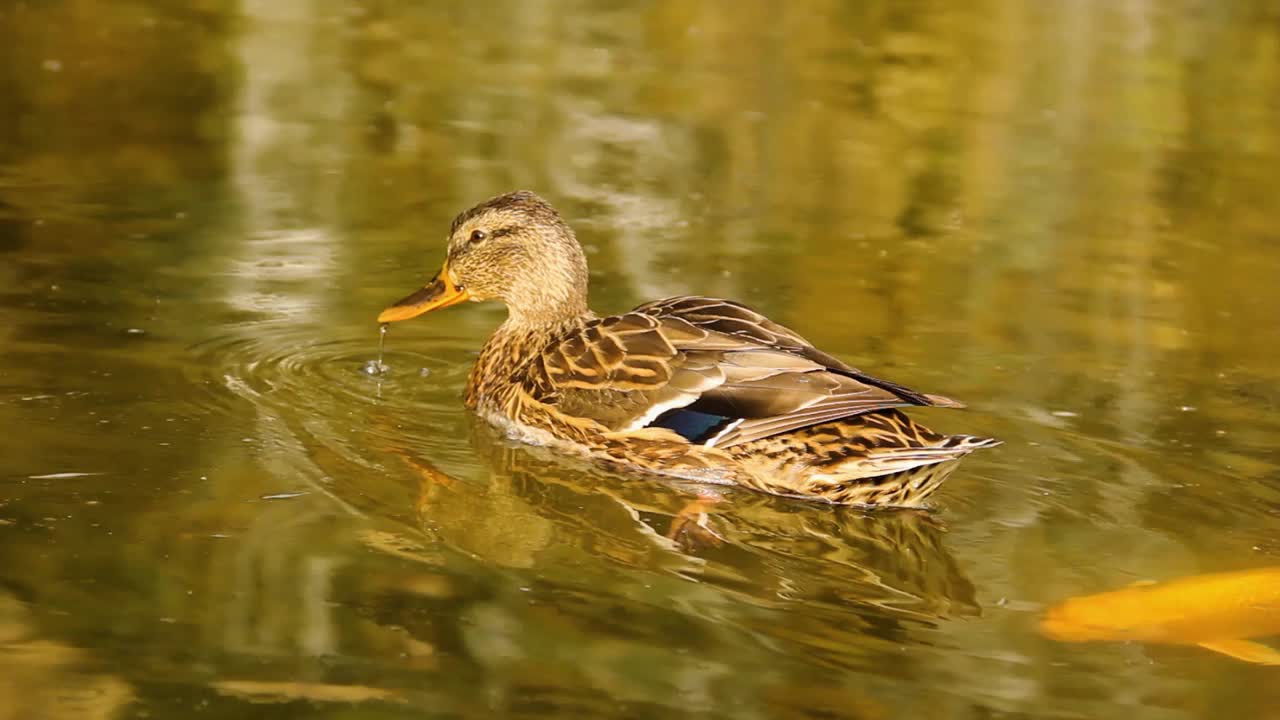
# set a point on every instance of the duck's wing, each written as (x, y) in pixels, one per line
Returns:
(713, 371)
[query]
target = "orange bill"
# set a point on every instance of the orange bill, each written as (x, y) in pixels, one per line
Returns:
(439, 293)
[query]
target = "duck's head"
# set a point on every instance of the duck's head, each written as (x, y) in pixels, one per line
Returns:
(514, 248)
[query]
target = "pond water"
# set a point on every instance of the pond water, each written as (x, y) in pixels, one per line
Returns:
(1063, 213)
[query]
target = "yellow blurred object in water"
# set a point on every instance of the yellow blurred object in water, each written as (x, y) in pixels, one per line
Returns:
(1218, 611)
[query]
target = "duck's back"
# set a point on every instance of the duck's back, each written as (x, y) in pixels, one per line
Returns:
(713, 371)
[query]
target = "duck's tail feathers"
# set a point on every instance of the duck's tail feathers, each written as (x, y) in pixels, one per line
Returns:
(943, 401)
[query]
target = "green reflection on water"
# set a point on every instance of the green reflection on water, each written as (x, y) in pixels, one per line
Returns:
(1062, 213)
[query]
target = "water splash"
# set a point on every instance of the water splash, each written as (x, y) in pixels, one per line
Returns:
(378, 367)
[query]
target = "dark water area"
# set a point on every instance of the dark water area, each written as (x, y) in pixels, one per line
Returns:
(1063, 213)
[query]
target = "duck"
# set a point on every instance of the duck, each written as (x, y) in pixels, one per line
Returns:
(693, 387)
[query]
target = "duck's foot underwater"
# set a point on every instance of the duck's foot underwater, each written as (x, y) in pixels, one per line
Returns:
(691, 527)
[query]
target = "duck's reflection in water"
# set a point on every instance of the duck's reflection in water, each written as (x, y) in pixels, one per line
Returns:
(650, 556)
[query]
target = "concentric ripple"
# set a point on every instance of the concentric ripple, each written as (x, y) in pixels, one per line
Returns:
(321, 388)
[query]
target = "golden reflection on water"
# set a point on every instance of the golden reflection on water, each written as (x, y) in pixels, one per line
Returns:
(1059, 212)
(46, 678)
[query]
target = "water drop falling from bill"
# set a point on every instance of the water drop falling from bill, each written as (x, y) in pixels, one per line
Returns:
(376, 368)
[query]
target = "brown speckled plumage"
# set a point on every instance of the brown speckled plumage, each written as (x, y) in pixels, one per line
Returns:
(689, 386)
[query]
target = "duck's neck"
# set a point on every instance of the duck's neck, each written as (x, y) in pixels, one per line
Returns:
(552, 296)
(513, 344)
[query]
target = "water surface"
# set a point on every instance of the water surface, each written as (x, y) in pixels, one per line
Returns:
(1062, 213)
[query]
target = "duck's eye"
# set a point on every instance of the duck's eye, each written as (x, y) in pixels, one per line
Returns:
(477, 236)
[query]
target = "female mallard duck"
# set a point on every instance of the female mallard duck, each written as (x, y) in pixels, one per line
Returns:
(689, 386)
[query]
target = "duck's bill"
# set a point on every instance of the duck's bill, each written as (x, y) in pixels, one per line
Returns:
(440, 293)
